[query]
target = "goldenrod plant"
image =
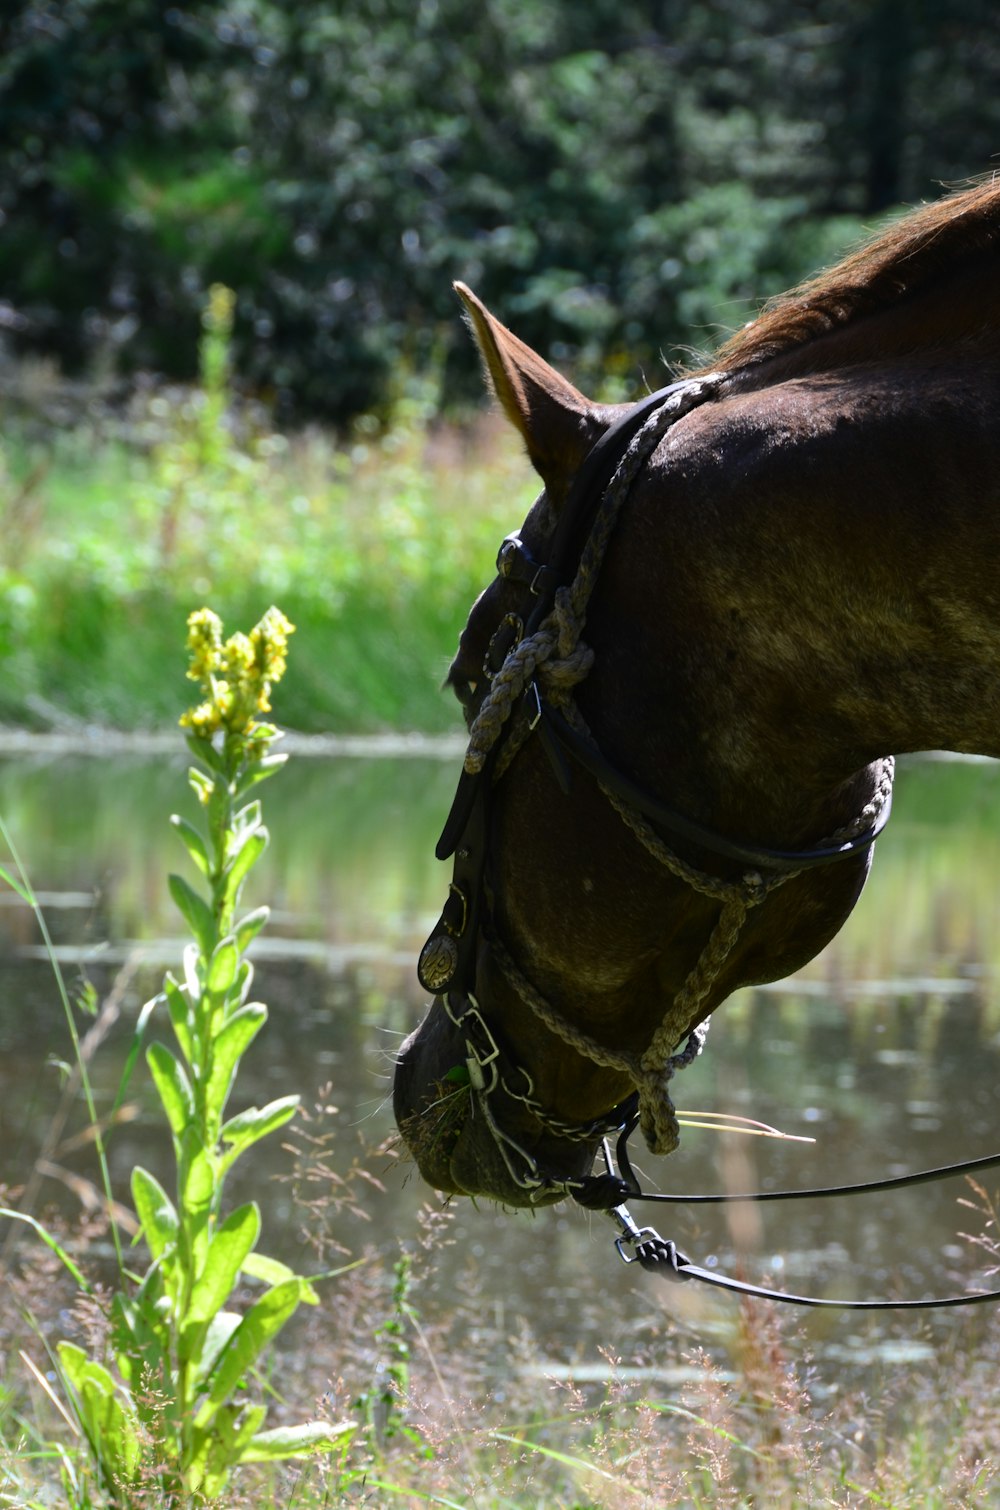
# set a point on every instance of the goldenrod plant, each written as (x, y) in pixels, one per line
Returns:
(170, 1407)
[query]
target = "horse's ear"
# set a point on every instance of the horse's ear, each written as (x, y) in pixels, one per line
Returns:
(558, 425)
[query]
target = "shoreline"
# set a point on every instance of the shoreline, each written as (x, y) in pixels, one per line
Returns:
(95, 740)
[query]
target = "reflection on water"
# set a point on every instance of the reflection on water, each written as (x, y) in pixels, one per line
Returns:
(886, 1049)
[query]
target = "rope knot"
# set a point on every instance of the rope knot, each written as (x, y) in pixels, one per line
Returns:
(657, 1116)
(506, 687)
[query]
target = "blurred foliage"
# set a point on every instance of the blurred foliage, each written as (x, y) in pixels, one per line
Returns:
(113, 527)
(614, 179)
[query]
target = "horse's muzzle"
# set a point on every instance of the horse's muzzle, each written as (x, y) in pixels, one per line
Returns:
(442, 1122)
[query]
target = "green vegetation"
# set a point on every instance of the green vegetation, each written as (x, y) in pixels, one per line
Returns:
(618, 181)
(163, 1407)
(614, 178)
(376, 545)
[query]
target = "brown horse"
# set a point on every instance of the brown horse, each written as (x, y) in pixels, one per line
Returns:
(683, 697)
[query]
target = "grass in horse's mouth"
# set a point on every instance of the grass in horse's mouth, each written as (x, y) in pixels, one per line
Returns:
(436, 1129)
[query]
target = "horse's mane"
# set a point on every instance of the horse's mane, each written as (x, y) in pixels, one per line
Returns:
(908, 255)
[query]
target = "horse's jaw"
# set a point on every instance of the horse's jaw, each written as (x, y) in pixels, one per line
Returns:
(445, 1128)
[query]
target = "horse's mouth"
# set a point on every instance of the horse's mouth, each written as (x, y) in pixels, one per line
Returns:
(445, 1129)
(478, 1168)
(467, 1160)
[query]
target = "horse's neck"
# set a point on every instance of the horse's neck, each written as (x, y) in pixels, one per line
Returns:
(829, 587)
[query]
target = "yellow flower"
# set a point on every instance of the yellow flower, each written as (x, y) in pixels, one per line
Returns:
(204, 643)
(270, 639)
(218, 313)
(203, 721)
(238, 659)
(237, 676)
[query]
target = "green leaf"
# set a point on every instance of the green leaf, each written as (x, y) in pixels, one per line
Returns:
(249, 1126)
(179, 1007)
(196, 1190)
(260, 771)
(273, 1272)
(228, 1249)
(222, 967)
(192, 973)
(193, 841)
(195, 911)
(244, 822)
(173, 1086)
(215, 1452)
(246, 856)
(201, 784)
(231, 1245)
(297, 1441)
(244, 980)
(22, 888)
(86, 998)
(110, 1429)
(261, 1323)
(220, 1328)
(231, 1042)
(248, 927)
(155, 1211)
(81, 1370)
(140, 1336)
(205, 751)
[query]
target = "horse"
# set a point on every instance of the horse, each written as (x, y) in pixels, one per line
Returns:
(732, 605)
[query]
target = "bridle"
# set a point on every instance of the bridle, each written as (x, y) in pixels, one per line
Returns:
(530, 668)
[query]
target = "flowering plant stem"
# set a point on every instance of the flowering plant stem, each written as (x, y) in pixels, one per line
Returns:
(175, 1406)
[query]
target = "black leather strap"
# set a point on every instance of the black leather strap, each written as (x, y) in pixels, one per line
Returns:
(667, 819)
(576, 517)
(659, 1256)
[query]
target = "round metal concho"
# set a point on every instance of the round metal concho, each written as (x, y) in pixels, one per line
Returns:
(437, 963)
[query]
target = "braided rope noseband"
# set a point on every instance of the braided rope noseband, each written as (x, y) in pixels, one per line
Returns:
(548, 663)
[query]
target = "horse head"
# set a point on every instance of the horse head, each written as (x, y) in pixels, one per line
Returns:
(580, 951)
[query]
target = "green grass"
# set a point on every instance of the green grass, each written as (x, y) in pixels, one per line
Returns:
(376, 543)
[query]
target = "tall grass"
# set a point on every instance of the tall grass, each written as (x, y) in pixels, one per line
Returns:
(466, 1413)
(376, 542)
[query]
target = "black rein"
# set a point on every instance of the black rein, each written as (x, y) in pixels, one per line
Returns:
(658, 1255)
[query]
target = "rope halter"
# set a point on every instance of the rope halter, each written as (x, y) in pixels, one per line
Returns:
(552, 659)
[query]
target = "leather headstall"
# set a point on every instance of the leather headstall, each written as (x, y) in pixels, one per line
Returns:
(448, 959)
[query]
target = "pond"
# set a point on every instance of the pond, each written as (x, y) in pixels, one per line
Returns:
(885, 1050)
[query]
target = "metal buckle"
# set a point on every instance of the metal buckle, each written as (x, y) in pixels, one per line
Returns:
(480, 1055)
(456, 891)
(507, 554)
